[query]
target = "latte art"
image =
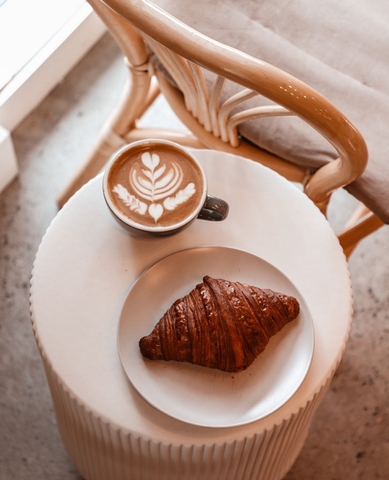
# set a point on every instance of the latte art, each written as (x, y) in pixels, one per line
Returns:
(156, 188)
(154, 183)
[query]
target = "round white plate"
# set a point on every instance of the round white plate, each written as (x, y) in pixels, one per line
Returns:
(203, 396)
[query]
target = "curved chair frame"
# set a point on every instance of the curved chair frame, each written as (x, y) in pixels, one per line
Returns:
(138, 25)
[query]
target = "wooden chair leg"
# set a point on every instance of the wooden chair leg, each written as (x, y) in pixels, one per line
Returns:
(106, 144)
(361, 224)
(138, 95)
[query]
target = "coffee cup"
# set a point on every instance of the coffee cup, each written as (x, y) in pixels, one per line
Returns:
(157, 187)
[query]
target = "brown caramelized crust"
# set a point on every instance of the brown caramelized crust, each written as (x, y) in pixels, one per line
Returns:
(220, 324)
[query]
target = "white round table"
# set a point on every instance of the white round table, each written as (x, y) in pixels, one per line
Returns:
(84, 269)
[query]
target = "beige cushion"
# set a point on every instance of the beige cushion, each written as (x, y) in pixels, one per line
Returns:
(341, 48)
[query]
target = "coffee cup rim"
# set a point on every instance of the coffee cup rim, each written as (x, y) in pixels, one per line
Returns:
(138, 226)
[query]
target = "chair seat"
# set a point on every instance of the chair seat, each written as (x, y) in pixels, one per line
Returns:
(338, 48)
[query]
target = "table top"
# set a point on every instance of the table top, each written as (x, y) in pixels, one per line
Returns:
(86, 265)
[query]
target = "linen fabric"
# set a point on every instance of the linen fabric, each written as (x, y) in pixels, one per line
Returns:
(339, 48)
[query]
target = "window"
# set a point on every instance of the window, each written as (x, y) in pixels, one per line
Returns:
(40, 41)
(26, 27)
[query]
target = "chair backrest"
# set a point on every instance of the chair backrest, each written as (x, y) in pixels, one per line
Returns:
(185, 53)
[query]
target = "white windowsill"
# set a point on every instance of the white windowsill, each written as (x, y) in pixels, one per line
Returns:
(40, 75)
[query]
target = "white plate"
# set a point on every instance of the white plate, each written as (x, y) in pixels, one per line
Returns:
(203, 396)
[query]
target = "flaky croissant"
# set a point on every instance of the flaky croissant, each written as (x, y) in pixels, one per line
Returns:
(219, 324)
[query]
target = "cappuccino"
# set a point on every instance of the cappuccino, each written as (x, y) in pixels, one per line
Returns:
(156, 186)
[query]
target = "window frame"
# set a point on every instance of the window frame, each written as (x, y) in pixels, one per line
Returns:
(32, 83)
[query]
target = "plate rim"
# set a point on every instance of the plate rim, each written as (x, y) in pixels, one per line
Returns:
(236, 251)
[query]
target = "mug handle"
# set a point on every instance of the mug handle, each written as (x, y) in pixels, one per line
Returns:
(214, 209)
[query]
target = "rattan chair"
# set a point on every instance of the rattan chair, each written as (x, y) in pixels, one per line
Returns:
(235, 102)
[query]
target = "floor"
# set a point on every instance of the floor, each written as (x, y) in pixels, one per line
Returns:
(349, 437)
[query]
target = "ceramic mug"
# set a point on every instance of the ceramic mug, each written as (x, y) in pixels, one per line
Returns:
(157, 187)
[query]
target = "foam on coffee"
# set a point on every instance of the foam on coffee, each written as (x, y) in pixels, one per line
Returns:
(155, 185)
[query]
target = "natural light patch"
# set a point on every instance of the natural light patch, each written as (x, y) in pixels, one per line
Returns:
(25, 28)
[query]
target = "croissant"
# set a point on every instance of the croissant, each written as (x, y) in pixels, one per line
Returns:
(219, 324)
